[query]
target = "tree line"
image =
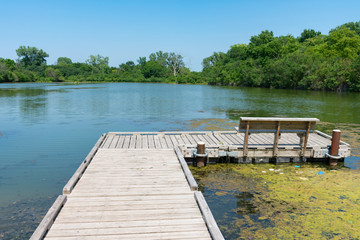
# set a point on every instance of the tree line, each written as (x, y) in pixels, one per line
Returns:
(311, 61)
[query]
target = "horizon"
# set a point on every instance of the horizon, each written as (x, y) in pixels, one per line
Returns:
(127, 30)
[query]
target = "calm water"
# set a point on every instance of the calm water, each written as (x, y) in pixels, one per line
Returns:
(47, 129)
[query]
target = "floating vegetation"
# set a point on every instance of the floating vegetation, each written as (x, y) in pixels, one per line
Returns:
(210, 124)
(266, 201)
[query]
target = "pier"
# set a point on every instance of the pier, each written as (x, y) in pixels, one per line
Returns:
(130, 194)
(137, 185)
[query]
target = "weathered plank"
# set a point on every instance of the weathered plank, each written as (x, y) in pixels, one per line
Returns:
(125, 186)
(122, 231)
(79, 172)
(121, 141)
(126, 224)
(189, 177)
(208, 217)
(157, 142)
(199, 235)
(151, 141)
(114, 142)
(126, 141)
(49, 218)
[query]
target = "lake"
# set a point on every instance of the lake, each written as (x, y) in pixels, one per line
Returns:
(46, 130)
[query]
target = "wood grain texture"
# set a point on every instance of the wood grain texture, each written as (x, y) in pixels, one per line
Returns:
(133, 194)
(208, 217)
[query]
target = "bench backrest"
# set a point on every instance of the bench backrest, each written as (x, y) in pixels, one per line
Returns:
(277, 125)
(286, 124)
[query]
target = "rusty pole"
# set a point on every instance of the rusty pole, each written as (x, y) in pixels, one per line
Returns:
(200, 161)
(335, 143)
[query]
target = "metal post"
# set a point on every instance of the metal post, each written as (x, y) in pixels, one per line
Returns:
(200, 161)
(335, 143)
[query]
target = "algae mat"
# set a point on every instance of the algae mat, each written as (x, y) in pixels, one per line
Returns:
(286, 201)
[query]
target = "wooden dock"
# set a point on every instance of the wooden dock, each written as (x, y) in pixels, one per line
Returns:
(138, 186)
(229, 143)
(130, 194)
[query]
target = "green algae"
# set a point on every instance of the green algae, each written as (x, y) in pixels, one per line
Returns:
(283, 201)
(210, 124)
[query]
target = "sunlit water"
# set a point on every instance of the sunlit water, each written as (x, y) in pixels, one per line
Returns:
(47, 129)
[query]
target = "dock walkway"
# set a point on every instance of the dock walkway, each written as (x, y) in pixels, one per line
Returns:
(138, 185)
(130, 194)
(227, 143)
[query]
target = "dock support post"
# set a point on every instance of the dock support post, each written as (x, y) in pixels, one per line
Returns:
(200, 161)
(335, 143)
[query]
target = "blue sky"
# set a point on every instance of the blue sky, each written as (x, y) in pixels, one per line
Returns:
(126, 30)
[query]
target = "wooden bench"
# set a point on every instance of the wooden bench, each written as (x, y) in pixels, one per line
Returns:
(300, 126)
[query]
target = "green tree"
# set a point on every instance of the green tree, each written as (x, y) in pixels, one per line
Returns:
(175, 63)
(142, 61)
(63, 61)
(153, 69)
(54, 74)
(343, 42)
(160, 57)
(308, 33)
(354, 26)
(98, 61)
(31, 56)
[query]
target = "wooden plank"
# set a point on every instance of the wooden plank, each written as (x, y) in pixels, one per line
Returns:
(126, 141)
(229, 138)
(114, 142)
(191, 140)
(160, 203)
(202, 138)
(199, 235)
(157, 142)
(292, 124)
(108, 141)
(185, 139)
(120, 142)
(209, 139)
(189, 177)
(208, 217)
(277, 135)
(271, 119)
(187, 195)
(132, 193)
(49, 218)
(132, 205)
(122, 231)
(260, 140)
(168, 141)
(222, 139)
(132, 144)
(153, 214)
(79, 172)
(173, 140)
(179, 139)
(121, 211)
(246, 139)
(151, 141)
(215, 140)
(126, 224)
(144, 141)
(196, 137)
(163, 142)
